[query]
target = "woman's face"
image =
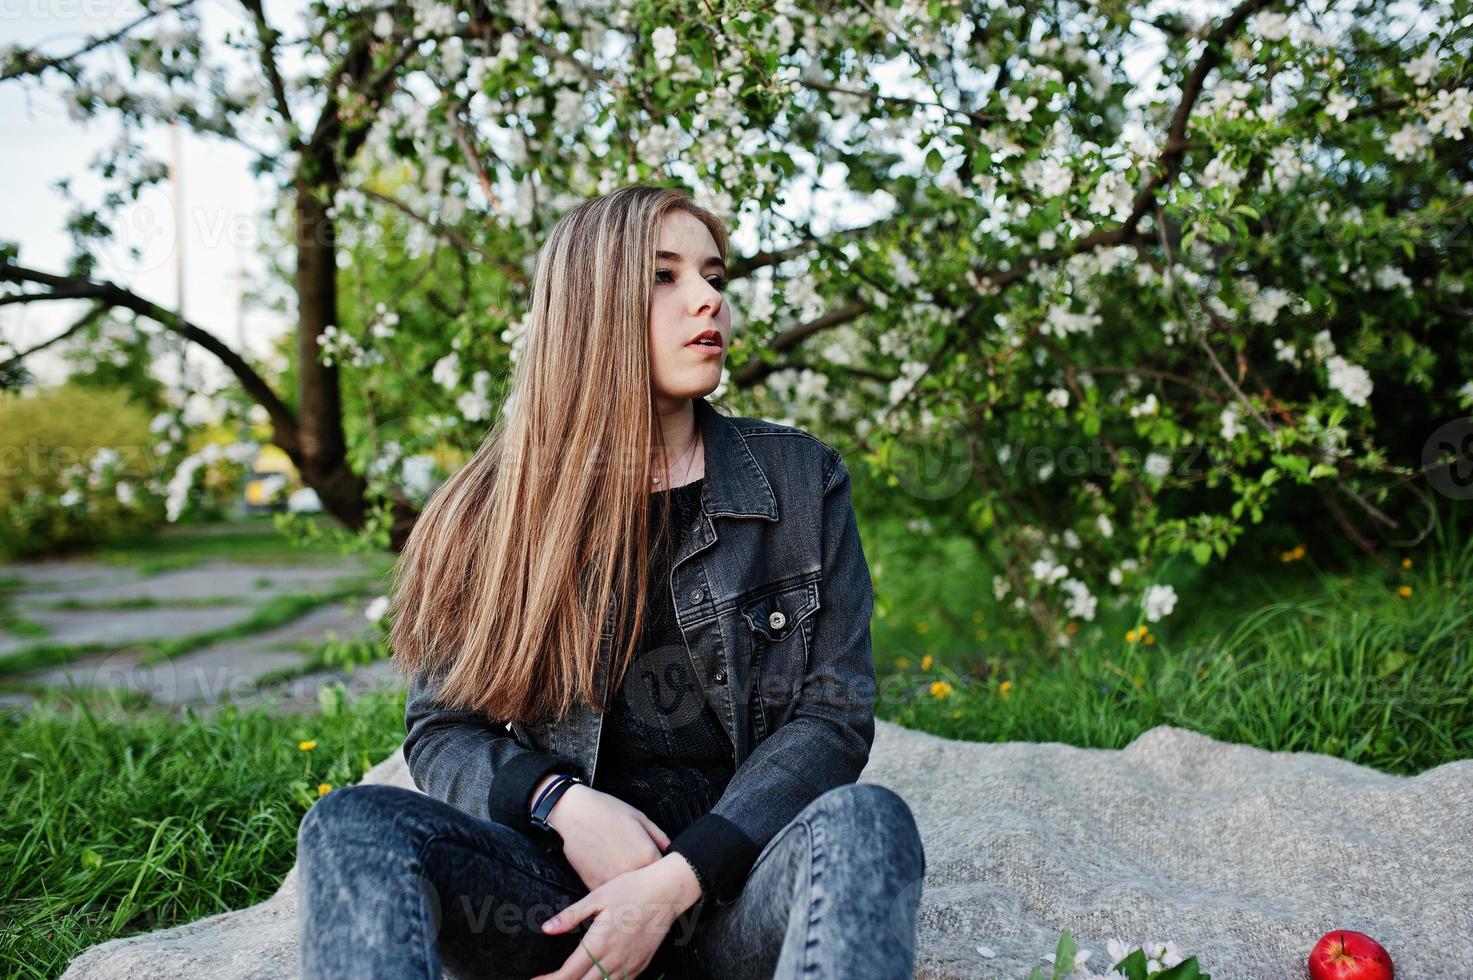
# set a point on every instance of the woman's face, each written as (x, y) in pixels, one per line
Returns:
(687, 302)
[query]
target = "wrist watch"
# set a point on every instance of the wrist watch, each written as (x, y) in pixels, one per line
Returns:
(554, 791)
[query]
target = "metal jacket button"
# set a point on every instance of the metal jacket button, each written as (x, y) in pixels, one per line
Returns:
(695, 596)
(776, 620)
(719, 676)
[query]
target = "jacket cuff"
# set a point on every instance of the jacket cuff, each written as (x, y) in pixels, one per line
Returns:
(510, 800)
(720, 853)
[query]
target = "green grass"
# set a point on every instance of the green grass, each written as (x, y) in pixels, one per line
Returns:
(251, 540)
(116, 822)
(1339, 664)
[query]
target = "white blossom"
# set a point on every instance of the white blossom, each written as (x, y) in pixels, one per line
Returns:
(1270, 25)
(1408, 141)
(1421, 68)
(1392, 277)
(1160, 600)
(475, 404)
(446, 372)
(1080, 603)
(1351, 380)
(1157, 464)
(1058, 397)
(1451, 113)
(1322, 346)
(1267, 304)
(1231, 427)
(1047, 571)
(1338, 105)
(1020, 110)
(376, 609)
(664, 40)
(1147, 407)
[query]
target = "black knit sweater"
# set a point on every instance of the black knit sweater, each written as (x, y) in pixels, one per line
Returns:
(663, 749)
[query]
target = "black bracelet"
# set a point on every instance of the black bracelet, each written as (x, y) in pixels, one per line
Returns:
(557, 778)
(548, 799)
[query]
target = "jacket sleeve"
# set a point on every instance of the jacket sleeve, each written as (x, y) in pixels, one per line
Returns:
(826, 742)
(471, 761)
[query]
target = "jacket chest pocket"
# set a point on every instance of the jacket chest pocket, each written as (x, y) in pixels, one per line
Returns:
(779, 628)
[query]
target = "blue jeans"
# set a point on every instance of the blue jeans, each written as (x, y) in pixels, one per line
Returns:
(394, 883)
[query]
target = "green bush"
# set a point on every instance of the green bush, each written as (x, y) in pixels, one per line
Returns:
(77, 465)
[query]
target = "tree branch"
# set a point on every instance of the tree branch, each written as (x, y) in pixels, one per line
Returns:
(268, 36)
(87, 318)
(111, 295)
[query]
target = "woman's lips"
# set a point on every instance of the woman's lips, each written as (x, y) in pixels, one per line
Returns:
(705, 348)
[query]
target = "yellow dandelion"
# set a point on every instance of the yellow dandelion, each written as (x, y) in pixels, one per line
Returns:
(323, 788)
(940, 689)
(1406, 563)
(956, 714)
(902, 662)
(1150, 639)
(981, 634)
(1405, 591)
(1298, 551)
(1004, 688)
(1130, 636)
(976, 615)
(926, 662)
(923, 627)
(308, 745)
(1286, 556)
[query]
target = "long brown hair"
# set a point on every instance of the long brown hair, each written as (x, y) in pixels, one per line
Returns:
(507, 573)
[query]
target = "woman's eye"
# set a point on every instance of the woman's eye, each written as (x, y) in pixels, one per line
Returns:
(717, 282)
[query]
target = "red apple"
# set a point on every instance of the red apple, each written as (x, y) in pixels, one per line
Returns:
(1346, 955)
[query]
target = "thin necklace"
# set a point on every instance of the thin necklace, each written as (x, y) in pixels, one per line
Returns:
(694, 445)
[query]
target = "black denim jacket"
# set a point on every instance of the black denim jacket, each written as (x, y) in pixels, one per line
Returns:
(771, 588)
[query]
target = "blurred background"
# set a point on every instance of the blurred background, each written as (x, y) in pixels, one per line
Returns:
(1144, 329)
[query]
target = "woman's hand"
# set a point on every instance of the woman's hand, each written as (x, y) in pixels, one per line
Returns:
(632, 913)
(603, 836)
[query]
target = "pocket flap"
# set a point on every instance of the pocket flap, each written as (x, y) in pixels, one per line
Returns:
(777, 614)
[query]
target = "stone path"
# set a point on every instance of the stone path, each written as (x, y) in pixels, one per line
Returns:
(235, 670)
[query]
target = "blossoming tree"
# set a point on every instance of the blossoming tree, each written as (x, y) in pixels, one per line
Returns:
(1096, 283)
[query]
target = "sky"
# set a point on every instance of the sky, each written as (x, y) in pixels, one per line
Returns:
(220, 198)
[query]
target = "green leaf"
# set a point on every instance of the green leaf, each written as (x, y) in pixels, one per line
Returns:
(1064, 956)
(1393, 661)
(1202, 552)
(934, 161)
(91, 860)
(1185, 970)
(1133, 966)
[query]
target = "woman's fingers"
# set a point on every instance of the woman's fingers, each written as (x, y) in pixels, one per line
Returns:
(661, 839)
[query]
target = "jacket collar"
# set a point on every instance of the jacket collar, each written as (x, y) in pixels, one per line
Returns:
(735, 485)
